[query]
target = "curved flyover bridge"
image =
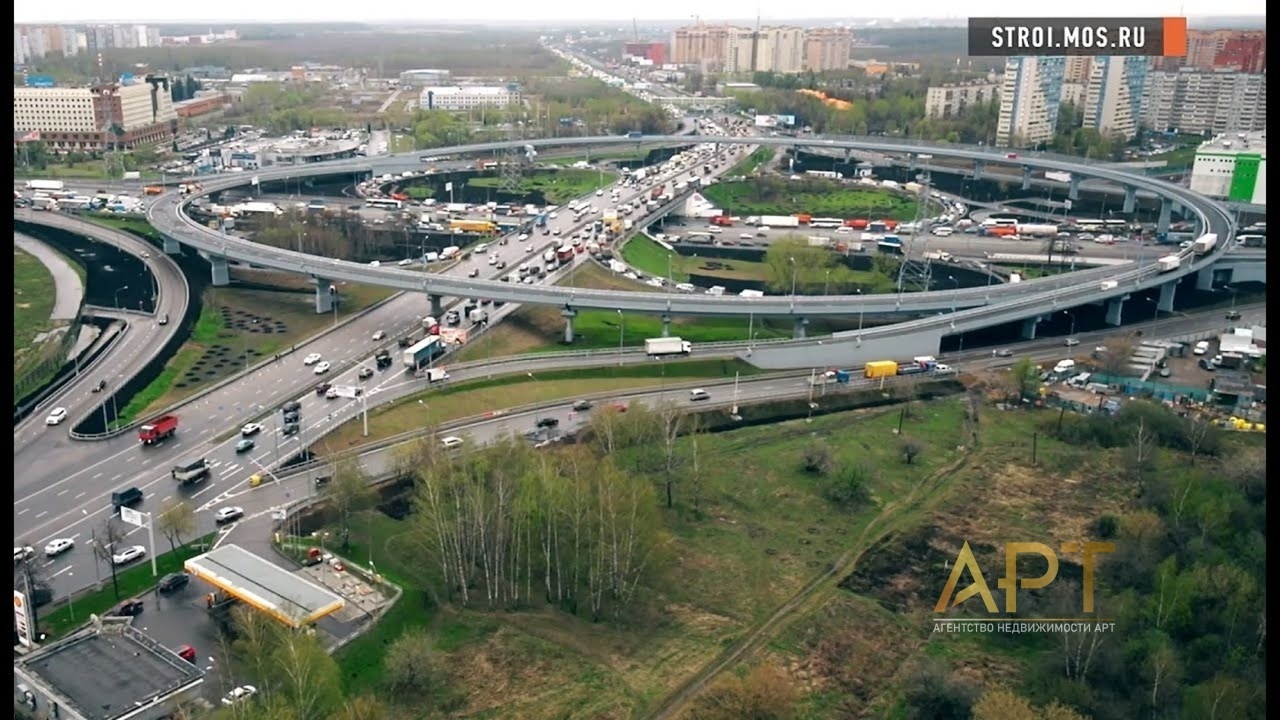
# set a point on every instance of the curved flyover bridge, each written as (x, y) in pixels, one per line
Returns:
(951, 312)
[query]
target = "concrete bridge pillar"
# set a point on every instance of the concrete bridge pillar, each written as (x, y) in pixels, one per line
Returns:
(666, 326)
(1204, 279)
(326, 296)
(437, 307)
(800, 329)
(1073, 188)
(1029, 327)
(848, 155)
(568, 314)
(1115, 306)
(1167, 290)
(171, 246)
(1166, 216)
(912, 161)
(1026, 177)
(979, 169)
(220, 271)
(1130, 199)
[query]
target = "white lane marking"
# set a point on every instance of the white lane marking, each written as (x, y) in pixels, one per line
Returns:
(41, 514)
(62, 492)
(24, 511)
(80, 494)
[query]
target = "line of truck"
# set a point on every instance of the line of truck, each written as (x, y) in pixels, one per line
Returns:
(879, 369)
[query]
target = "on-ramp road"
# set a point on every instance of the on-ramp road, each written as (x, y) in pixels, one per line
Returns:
(35, 444)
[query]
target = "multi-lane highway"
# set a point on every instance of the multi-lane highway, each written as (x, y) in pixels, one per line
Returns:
(67, 494)
(34, 443)
(298, 486)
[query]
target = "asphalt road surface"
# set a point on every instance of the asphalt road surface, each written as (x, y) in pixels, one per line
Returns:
(37, 445)
(67, 492)
(68, 288)
(65, 509)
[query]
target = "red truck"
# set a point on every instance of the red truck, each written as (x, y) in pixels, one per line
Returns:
(158, 430)
(722, 221)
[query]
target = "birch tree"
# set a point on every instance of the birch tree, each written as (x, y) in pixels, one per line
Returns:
(176, 520)
(347, 494)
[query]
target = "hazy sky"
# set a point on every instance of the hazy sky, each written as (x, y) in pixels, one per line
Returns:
(82, 11)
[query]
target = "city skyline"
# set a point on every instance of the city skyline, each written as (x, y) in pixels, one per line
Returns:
(242, 11)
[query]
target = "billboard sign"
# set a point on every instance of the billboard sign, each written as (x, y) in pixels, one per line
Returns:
(453, 336)
(766, 121)
(787, 120)
(39, 81)
(22, 619)
(132, 517)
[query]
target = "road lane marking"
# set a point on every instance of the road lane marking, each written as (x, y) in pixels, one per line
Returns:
(81, 494)
(96, 476)
(41, 514)
(24, 511)
(62, 492)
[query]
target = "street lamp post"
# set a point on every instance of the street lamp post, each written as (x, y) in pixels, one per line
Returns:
(954, 290)
(622, 325)
(536, 417)
(1072, 331)
(826, 283)
(862, 310)
(117, 295)
(333, 300)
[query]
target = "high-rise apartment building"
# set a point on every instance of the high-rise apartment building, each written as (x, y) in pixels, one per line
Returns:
(98, 117)
(1030, 96)
(1113, 100)
(770, 49)
(1244, 50)
(942, 102)
(33, 42)
(827, 49)
(1199, 101)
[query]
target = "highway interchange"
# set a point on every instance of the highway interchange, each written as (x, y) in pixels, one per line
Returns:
(69, 495)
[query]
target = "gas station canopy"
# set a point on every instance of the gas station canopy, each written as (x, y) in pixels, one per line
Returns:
(288, 597)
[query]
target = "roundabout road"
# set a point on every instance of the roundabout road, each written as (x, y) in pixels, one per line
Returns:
(34, 443)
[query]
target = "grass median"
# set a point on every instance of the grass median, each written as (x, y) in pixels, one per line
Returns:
(449, 403)
(132, 582)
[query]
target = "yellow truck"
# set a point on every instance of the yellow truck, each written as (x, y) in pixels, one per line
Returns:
(472, 226)
(881, 369)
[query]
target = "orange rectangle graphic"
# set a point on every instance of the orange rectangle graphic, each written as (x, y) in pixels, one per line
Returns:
(1175, 37)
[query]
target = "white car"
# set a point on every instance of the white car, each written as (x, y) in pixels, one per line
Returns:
(528, 248)
(57, 546)
(599, 193)
(239, 695)
(22, 553)
(128, 555)
(379, 336)
(479, 249)
(311, 359)
(250, 429)
(56, 417)
(522, 237)
(228, 514)
(322, 368)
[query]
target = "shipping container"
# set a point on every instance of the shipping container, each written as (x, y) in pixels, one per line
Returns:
(881, 369)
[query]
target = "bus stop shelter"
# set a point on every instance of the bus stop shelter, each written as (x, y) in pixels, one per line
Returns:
(286, 596)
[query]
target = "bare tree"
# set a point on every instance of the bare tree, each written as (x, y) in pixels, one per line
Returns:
(348, 493)
(1197, 430)
(1119, 351)
(1162, 667)
(364, 707)
(106, 542)
(1143, 454)
(310, 683)
(818, 459)
(176, 520)
(695, 472)
(411, 668)
(671, 419)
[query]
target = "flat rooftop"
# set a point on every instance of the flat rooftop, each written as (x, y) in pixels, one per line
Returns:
(1236, 143)
(104, 673)
(286, 596)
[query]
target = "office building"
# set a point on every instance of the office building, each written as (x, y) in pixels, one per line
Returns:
(100, 117)
(1233, 167)
(1030, 96)
(468, 97)
(742, 50)
(1113, 101)
(943, 102)
(654, 52)
(827, 49)
(1205, 101)
(424, 78)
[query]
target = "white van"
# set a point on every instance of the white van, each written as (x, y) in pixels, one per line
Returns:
(1201, 348)
(1064, 366)
(699, 394)
(451, 442)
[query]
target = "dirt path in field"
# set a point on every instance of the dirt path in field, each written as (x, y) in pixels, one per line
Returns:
(678, 699)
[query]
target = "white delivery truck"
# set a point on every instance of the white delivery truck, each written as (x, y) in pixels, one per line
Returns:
(1169, 263)
(661, 347)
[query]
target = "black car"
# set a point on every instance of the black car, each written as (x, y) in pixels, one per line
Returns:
(323, 388)
(404, 342)
(129, 608)
(291, 407)
(173, 582)
(383, 360)
(291, 417)
(322, 480)
(547, 422)
(290, 429)
(1004, 353)
(102, 385)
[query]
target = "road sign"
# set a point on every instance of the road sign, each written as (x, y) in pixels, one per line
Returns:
(133, 517)
(22, 618)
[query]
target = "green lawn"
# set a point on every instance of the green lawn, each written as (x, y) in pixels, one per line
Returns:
(752, 162)
(93, 170)
(557, 186)
(33, 297)
(401, 143)
(831, 200)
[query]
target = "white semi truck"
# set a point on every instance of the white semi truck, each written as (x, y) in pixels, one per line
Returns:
(662, 347)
